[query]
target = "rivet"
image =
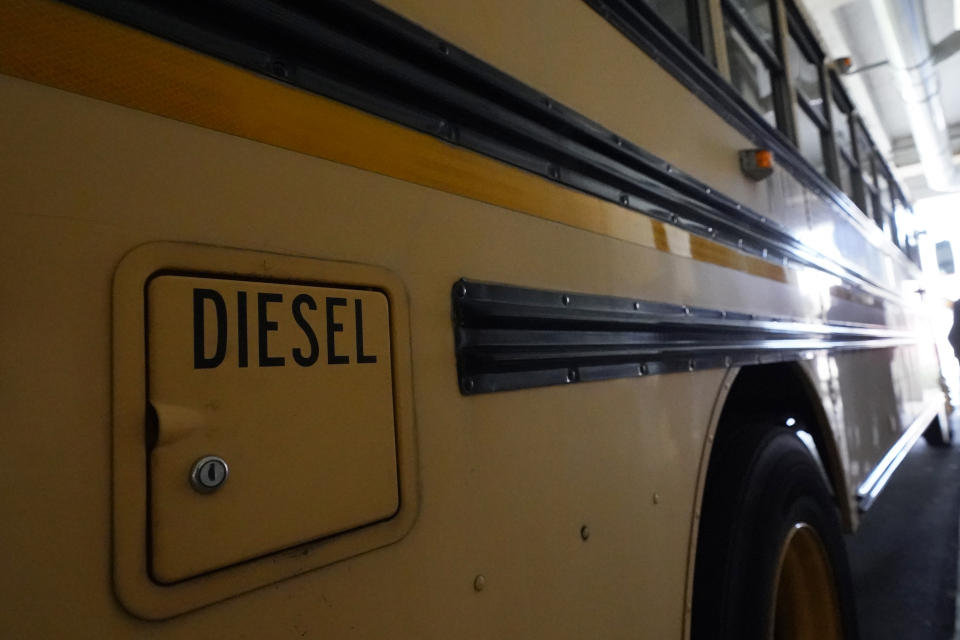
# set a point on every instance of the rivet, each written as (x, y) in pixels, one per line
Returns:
(674, 219)
(279, 69)
(723, 314)
(691, 365)
(656, 498)
(710, 230)
(469, 384)
(739, 206)
(548, 103)
(571, 375)
(565, 300)
(624, 199)
(479, 583)
(764, 253)
(584, 532)
(618, 142)
(739, 243)
(708, 190)
(636, 306)
(554, 172)
(444, 49)
(669, 169)
(461, 290)
(763, 219)
(644, 369)
(686, 310)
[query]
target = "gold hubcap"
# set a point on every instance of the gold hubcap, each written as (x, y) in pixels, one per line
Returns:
(805, 602)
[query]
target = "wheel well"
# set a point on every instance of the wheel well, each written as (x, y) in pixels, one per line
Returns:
(774, 393)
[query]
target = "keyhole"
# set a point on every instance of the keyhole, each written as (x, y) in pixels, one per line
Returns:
(208, 474)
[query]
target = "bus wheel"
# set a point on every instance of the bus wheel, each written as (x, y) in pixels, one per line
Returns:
(771, 562)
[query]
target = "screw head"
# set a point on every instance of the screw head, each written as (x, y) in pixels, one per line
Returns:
(279, 69)
(469, 384)
(565, 300)
(461, 290)
(208, 474)
(584, 532)
(479, 583)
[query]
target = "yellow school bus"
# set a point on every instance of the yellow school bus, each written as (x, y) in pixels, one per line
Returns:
(418, 319)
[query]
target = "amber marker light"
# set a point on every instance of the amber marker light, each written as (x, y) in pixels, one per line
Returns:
(756, 163)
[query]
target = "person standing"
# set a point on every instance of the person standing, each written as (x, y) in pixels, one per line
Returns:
(954, 335)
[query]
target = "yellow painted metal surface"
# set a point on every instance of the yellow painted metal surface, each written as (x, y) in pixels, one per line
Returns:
(569, 52)
(506, 481)
(105, 60)
(310, 441)
(321, 454)
(201, 156)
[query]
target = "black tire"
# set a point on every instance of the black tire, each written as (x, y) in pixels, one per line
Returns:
(761, 484)
(938, 435)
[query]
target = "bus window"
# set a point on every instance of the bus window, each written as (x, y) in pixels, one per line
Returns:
(757, 15)
(749, 75)
(809, 139)
(674, 14)
(689, 19)
(811, 126)
(945, 257)
(864, 152)
(750, 55)
(805, 73)
(840, 121)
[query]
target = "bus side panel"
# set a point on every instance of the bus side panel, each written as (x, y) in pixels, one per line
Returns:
(507, 480)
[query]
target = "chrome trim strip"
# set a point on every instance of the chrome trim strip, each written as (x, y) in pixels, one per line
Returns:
(871, 487)
(514, 338)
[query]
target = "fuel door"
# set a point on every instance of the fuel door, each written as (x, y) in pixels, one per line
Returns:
(273, 418)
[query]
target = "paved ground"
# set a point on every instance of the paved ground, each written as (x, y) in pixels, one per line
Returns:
(904, 557)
